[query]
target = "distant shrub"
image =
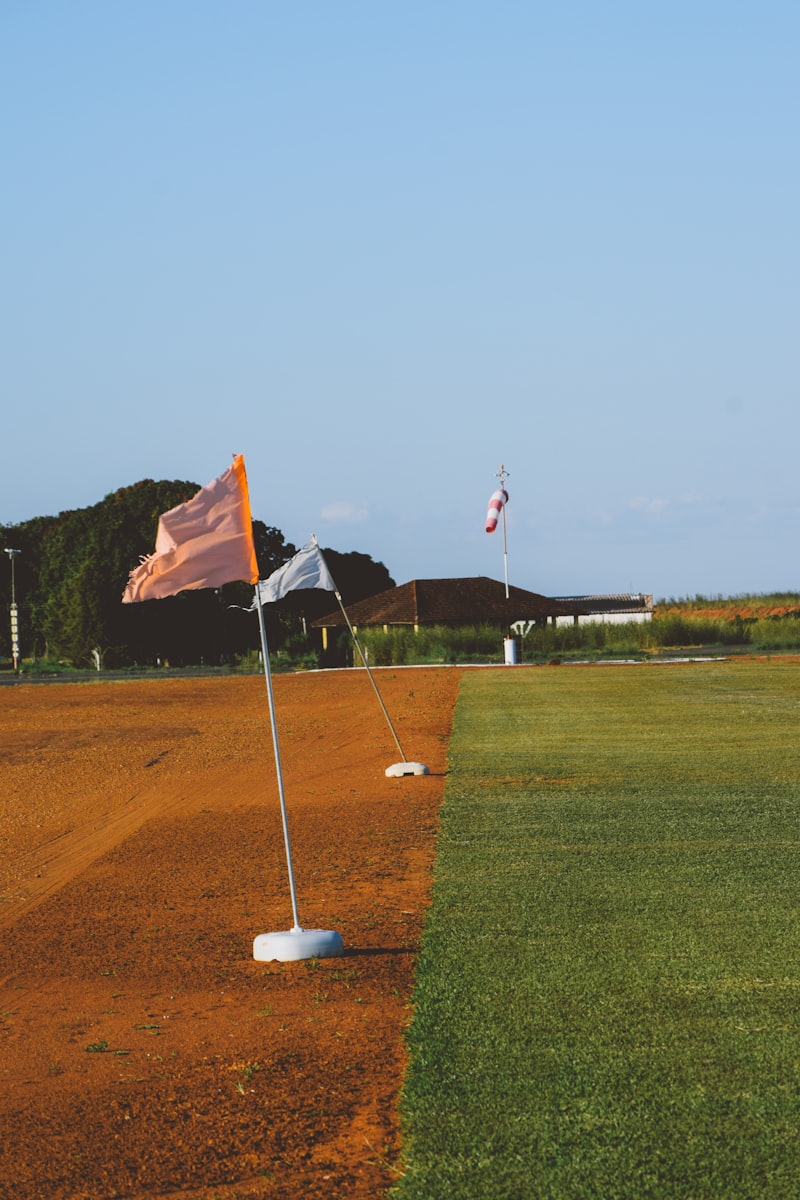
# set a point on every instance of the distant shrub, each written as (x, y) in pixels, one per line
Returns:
(697, 631)
(399, 645)
(46, 666)
(432, 644)
(776, 633)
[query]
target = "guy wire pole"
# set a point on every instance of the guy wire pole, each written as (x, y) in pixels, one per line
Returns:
(276, 748)
(371, 679)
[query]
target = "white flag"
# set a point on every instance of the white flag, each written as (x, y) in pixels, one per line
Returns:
(307, 569)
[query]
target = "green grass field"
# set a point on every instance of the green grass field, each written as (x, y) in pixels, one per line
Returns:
(608, 995)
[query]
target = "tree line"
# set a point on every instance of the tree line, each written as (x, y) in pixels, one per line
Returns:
(72, 570)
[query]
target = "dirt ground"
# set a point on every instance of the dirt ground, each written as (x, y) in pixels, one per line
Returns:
(143, 1051)
(728, 613)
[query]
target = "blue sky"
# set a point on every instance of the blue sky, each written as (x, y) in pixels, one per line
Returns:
(381, 249)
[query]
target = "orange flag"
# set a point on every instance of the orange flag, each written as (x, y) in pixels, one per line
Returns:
(203, 543)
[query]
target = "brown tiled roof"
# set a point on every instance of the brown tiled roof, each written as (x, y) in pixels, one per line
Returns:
(450, 602)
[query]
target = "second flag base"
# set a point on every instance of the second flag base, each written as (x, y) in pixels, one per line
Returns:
(294, 944)
(406, 768)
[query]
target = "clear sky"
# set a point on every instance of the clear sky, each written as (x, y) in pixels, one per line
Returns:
(383, 248)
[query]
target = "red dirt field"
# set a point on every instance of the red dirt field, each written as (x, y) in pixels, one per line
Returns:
(143, 1051)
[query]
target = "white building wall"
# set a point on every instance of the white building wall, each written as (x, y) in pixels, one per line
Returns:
(609, 618)
(618, 609)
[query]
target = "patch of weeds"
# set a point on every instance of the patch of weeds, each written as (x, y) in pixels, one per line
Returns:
(347, 977)
(246, 1071)
(97, 1047)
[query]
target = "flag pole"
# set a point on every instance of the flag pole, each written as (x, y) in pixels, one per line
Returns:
(296, 943)
(371, 676)
(277, 752)
(404, 767)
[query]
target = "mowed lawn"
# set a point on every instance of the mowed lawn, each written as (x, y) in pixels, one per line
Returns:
(608, 995)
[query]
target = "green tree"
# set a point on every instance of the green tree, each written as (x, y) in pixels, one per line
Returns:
(74, 567)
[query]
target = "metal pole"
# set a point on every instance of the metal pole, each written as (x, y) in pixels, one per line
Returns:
(371, 678)
(276, 748)
(505, 566)
(505, 550)
(502, 474)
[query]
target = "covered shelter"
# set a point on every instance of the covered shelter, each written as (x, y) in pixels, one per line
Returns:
(616, 609)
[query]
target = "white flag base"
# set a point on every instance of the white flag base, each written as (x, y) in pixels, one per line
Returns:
(406, 768)
(294, 944)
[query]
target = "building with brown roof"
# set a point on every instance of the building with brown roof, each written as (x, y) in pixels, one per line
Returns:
(473, 601)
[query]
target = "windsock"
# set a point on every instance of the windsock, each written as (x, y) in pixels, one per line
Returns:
(499, 498)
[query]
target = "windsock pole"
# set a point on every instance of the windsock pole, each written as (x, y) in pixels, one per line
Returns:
(502, 475)
(497, 507)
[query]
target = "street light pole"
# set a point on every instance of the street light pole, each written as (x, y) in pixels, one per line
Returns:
(14, 624)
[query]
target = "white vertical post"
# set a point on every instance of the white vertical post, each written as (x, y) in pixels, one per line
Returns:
(14, 612)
